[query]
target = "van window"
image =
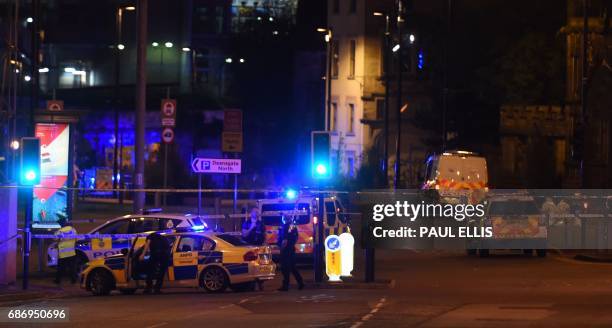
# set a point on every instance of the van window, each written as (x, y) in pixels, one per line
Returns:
(279, 207)
(331, 213)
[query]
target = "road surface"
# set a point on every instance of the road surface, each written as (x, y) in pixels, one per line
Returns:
(429, 290)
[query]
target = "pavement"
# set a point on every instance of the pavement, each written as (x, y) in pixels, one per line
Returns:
(416, 289)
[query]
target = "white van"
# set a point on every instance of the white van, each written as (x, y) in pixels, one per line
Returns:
(457, 174)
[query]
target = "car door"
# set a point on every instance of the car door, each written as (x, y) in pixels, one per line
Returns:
(190, 251)
(102, 247)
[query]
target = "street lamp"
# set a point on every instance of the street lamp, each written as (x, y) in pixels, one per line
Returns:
(386, 60)
(186, 49)
(168, 44)
(120, 47)
(328, 41)
(155, 44)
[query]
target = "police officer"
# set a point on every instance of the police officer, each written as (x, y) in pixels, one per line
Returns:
(66, 262)
(287, 237)
(253, 228)
(157, 249)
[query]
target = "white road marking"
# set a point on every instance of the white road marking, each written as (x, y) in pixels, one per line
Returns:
(158, 325)
(368, 316)
(357, 324)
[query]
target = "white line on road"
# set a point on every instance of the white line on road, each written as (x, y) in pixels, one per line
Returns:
(357, 324)
(368, 316)
(158, 325)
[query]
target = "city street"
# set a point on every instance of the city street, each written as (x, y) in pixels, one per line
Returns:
(432, 289)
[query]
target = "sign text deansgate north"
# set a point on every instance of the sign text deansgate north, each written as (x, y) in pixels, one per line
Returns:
(214, 165)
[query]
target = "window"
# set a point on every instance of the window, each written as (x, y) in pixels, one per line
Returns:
(195, 244)
(335, 58)
(117, 227)
(351, 119)
(330, 208)
(352, 60)
(336, 7)
(380, 109)
(140, 225)
(334, 117)
(350, 163)
(353, 6)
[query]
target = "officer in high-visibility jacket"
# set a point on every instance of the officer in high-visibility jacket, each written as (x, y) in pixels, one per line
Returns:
(66, 253)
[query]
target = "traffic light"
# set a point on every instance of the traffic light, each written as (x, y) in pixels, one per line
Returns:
(321, 161)
(29, 173)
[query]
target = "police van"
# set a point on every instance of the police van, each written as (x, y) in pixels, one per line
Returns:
(153, 220)
(302, 211)
(456, 176)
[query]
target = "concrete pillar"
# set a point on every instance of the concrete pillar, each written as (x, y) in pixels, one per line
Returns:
(8, 240)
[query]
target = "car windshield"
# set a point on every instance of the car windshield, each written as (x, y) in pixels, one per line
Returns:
(234, 240)
(513, 208)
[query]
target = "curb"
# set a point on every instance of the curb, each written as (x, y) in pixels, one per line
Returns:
(591, 258)
(380, 284)
(24, 296)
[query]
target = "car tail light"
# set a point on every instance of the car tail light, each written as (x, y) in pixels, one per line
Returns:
(250, 256)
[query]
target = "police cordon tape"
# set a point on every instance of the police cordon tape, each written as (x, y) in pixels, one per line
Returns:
(90, 236)
(169, 190)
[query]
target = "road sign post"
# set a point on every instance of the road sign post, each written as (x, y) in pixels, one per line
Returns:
(168, 121)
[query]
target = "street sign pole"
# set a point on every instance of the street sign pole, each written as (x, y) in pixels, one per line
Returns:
(319, 252)
(165, 173)
(27, 244)
(199, 194)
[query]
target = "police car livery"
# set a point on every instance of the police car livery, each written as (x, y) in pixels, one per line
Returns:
(92, 248)
(209, 260)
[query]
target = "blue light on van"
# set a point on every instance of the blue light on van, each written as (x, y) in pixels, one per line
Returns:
(290, 194)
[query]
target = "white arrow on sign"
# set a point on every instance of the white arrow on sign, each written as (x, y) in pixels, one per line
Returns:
(216, 165)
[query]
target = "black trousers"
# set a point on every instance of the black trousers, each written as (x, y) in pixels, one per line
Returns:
(66, 265)
(288, 267)
(156, 269)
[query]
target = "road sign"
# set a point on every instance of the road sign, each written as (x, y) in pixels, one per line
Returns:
(168, 112)
(168, 135)
(216, 165)
(231, 142)
(55, 105)
(232, 120)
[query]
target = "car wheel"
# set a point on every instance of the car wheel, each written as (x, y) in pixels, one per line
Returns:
(483, 252)
(129, 291)
(244, 287)
(214, 279)
(101, 282)
(541, 252)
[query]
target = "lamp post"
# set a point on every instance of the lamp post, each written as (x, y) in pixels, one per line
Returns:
(328, 78)
(399, 96)
(386, 57)
(118, 48)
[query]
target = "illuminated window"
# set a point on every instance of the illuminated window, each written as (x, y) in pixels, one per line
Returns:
(351, 119)
(352, 60)
(335, 58)
(334, 117)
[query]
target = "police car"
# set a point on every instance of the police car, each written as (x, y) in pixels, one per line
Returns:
(209, 260)
(153, 220)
